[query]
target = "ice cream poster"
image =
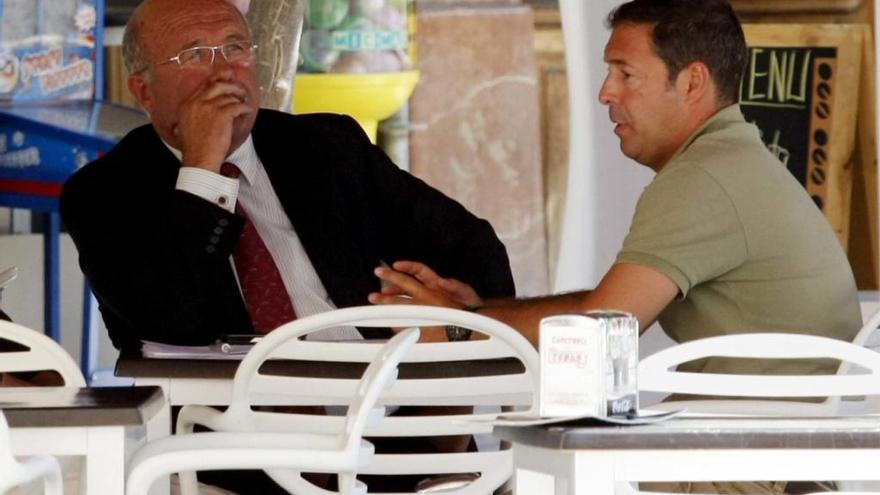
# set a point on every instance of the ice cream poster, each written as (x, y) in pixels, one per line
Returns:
(47, 49)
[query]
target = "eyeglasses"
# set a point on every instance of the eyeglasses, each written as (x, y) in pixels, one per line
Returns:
(234, 52)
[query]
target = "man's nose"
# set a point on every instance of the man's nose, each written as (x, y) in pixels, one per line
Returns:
(606, 93)
(221, 67)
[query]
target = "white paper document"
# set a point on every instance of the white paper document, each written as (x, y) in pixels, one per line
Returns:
(643, 418)
(218, 350)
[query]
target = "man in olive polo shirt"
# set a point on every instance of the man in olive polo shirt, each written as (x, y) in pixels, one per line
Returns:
(724, 239)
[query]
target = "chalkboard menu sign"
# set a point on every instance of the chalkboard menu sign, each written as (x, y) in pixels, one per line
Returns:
(801, 90)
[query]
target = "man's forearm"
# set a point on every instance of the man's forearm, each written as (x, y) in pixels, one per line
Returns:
(525, 314)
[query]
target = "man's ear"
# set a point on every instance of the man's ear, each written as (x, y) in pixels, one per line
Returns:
(140, 89)
(695, 82)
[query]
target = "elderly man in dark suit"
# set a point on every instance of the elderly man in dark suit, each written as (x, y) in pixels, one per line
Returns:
(222, 217)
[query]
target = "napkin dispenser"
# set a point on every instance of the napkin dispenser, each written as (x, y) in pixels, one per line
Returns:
(589, 364)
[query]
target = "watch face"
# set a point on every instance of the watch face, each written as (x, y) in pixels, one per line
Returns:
(455, 334)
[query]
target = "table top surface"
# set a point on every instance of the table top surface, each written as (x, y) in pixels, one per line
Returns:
(138, 367)
(73, 406)
(706, 433)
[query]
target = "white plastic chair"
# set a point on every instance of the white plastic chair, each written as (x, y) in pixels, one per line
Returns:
(858, 375)
(657, 373)
(868, 337)
(250, 386)
(41, 353)
(15, 472)
(865, 336)
(342, 452)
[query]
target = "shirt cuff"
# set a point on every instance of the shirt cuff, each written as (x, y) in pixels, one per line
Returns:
(220, 190)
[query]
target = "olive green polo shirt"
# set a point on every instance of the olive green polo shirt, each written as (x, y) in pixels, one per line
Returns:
(746, 245)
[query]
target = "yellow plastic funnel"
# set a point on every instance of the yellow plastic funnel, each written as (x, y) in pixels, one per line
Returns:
(368, 98)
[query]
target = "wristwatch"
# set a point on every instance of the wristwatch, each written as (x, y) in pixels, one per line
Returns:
(457, 334)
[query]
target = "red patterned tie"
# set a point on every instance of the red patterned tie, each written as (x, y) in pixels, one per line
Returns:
(264, 293)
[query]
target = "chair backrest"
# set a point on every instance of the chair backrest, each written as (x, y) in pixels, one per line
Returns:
(5, 442)
(379, 376)
(869, 337)
(39, 353)
(341, 443)
(657, 372)
(866, 336)
(14, 472)
(466, 381)
(503, 344)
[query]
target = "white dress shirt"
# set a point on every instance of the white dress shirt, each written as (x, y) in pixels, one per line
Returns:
(258, 199)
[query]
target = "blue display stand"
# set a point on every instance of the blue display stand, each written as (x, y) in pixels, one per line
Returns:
(41, 145)
(52, 122)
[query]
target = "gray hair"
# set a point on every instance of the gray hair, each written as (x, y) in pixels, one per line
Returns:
(133, 54)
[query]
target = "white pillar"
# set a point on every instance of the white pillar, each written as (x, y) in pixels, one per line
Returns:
(603, 185)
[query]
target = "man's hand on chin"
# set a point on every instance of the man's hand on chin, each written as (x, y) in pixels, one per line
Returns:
(205, 126)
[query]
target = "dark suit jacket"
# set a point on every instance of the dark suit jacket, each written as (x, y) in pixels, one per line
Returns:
(158, 258)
